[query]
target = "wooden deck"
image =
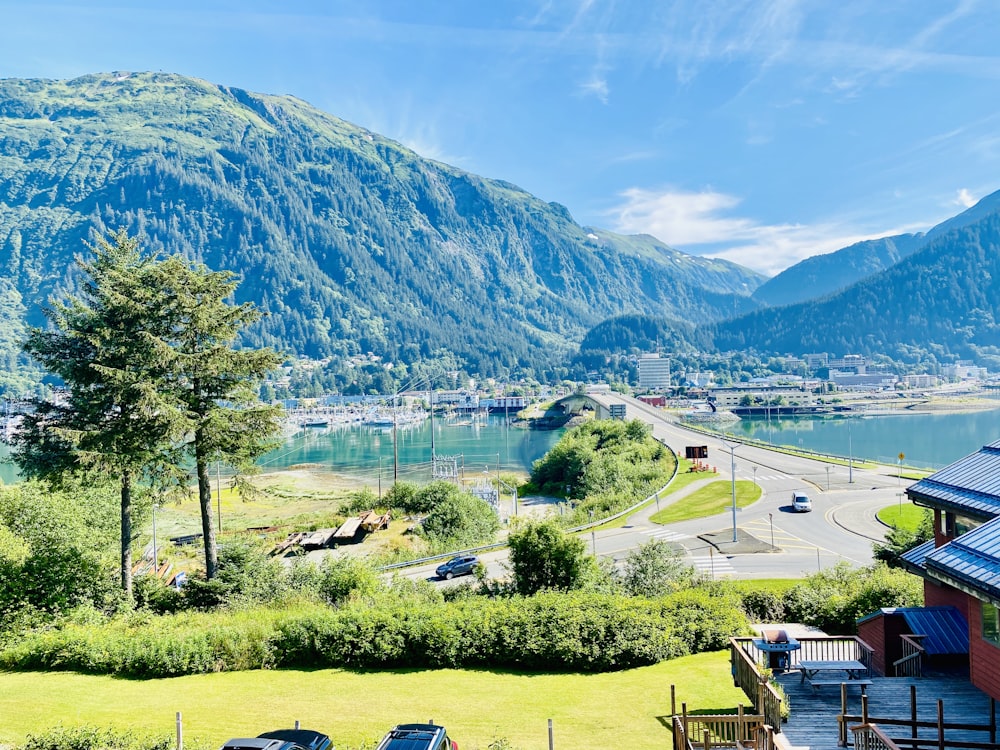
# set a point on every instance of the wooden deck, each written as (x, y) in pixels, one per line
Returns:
(813, 720)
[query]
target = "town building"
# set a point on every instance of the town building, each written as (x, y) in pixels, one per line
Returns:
(654, 372)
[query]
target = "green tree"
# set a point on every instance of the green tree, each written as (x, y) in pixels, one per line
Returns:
(459, 519)
(116, 417)
(543, 556)
(216, 383)
(899, 540)
(655, 569)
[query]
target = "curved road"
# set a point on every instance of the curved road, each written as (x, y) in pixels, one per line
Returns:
(773, 542)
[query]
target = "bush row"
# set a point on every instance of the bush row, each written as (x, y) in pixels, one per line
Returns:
(572, 632)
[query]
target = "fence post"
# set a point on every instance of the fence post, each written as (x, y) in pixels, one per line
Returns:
(673, 700)
(940, 724)
(707, 739)
(180, 732)
(551, 745)
(297, 725)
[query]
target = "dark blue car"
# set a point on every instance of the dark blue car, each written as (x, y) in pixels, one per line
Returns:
(457, 566)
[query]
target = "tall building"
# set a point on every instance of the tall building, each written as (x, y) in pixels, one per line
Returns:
(654, 372)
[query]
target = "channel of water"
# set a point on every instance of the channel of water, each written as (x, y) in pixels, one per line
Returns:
(928, 440)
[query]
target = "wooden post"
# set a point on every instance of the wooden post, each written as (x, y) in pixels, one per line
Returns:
(707, 740)
(913, 711)
(297, 725)
(673, 700)
(993, 721)
(864, 709)
(843, 697)
(739, 723)
(180, 732)
(940, 724)
(551, 744)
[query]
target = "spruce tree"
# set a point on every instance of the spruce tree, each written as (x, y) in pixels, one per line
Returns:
(216, 383)
(116, 417)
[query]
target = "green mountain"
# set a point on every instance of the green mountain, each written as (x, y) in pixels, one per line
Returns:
(940, 304)
(349, 241)
(821, 275)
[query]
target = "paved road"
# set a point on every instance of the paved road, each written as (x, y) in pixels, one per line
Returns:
(772, 541)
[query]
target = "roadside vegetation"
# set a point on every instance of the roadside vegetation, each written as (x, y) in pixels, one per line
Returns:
(603, 467)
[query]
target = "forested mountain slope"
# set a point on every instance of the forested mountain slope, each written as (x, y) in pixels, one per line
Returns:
(941, 303)
(821, 275)
(349, 241)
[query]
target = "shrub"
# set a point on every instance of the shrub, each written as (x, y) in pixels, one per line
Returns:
(93, 738)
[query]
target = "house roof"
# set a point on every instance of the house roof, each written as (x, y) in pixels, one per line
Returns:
(971, 485)
(972, 561)
(914, 559)
(944, 629)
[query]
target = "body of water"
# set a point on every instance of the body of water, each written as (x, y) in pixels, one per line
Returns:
(477, 446)
(929, 440)
(926, 440)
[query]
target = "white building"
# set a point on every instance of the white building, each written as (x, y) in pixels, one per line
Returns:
(654, 372)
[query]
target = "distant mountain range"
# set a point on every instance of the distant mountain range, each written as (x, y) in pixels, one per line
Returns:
(821, 275)
(353, 244)
(349, 241)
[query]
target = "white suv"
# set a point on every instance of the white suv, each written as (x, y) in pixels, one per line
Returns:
(801, 502)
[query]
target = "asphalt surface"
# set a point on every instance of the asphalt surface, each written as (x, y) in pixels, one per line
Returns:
(771, 540)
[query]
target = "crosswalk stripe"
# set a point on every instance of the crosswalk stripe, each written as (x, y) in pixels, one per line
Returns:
(665, 534)
(716, 565)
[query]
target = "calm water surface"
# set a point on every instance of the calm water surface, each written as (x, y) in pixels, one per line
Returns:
(930, 440)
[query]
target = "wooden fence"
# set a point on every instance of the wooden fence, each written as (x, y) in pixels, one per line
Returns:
(989, 728)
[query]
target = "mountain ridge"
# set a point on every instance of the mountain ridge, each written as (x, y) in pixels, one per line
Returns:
(349, 241)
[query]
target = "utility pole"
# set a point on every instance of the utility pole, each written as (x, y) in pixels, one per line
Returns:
(732, 468)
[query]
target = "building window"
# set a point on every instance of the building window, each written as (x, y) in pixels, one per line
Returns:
(991, 623)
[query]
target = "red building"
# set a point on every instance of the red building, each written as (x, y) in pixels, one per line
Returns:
(961, 564)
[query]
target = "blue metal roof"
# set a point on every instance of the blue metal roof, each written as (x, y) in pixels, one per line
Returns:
(946, 630)
(917, 556)
(973, 558)
(971, 484)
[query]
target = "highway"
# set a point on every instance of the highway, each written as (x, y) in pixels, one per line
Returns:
(772, 541)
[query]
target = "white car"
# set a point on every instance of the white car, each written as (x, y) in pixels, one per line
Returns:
(801, 502)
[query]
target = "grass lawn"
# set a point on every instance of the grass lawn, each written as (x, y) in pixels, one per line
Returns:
(619, 709)
(903, 515)
(711, 499)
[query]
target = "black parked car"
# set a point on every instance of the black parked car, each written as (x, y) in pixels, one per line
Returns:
(417, 737)
(457, 566)
(282, 739)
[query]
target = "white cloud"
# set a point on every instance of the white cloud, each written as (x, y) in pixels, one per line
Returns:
(965, 198)
(596, 86)
(703, 223)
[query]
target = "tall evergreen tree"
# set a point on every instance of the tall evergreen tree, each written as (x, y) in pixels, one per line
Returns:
(116, 416)
(216, 383)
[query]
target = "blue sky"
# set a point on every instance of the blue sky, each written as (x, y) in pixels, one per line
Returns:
(762, 132)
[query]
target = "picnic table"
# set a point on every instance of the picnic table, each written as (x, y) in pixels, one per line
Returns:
(834, 672)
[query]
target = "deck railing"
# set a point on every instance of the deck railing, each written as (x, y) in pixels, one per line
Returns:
(912, 662)
(721, 730)
(832, 648)
(870, 737)
(747, 676)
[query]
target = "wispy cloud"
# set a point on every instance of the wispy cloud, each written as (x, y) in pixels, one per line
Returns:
(704, 223)
(965, 199)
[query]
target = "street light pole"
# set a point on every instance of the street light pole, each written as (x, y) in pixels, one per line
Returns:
(732, 470)
(850, 454)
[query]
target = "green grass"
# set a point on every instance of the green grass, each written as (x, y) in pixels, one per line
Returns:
(618, 709)
(905, 516)
(708, 500)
